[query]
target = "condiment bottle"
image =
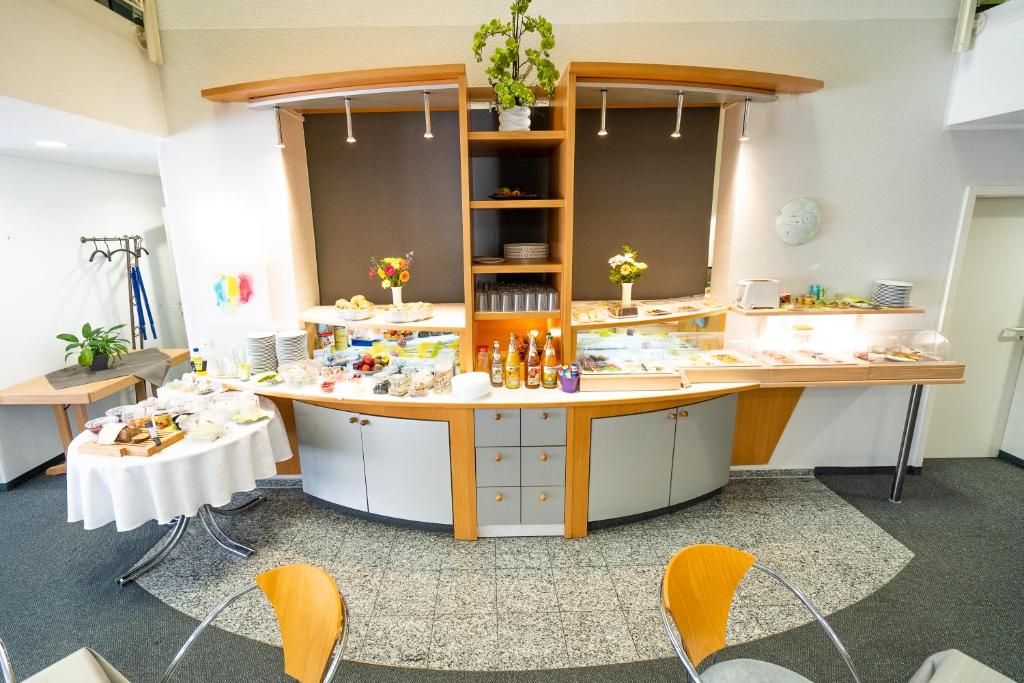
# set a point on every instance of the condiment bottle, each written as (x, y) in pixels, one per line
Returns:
(533, 368)
(512, 364)
(497, 366)
(198, 363)
(482, 358)
(549, 366)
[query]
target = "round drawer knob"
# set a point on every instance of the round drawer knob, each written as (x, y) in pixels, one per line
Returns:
(543, 416)
(543, 457)
(497, 457)
(353, 420)
(672, 416)
(684, 413)
(543, 497)
(498, 497)
(497, 416)
(364, 422)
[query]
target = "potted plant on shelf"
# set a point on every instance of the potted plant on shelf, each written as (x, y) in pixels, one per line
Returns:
(511, 65)
(626, 268)
(393, 272)
(97, 349)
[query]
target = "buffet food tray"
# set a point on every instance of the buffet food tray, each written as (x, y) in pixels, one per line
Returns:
(145, 448)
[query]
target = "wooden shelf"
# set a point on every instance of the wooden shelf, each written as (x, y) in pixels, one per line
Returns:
(910, 310)
(516, 315)
(710, 310)
(513, 266)
(526, 143)
(517, 204)
(447, 318)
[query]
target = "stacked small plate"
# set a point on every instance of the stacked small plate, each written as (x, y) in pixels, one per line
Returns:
(526, 250)
(260, 348)
(892, 293)
(291, 346)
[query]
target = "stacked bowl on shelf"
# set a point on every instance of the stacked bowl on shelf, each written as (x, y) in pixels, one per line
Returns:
(291, 346)
(259, 346)
(526, 250)
(892, 293)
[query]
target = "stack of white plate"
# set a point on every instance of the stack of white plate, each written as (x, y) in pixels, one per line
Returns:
(526, 250)
(260, 348)
(892, 293)
(291, 346)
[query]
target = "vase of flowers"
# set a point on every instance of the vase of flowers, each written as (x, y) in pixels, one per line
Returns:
(393, 272)
(626, 268)
(512, 65)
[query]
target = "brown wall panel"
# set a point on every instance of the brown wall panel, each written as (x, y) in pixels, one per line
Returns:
(390, 192)
(638, 186)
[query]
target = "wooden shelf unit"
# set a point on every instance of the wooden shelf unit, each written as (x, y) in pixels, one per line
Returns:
(650, 319)
(446, 318)
(502, 204)
(771, 312)
(527, 143)
(513, 266)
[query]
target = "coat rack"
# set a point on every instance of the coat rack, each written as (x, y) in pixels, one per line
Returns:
(131, 247)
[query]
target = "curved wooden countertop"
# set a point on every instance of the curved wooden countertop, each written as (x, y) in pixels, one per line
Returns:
(349, 394)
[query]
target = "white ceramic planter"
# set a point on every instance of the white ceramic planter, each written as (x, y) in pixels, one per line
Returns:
(396, 295)
(627, 294)
(515, 119)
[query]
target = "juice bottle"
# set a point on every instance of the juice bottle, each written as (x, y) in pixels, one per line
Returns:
(533, 368)
(497, 366)
(549, 365)
(198, 362)
(512, 364)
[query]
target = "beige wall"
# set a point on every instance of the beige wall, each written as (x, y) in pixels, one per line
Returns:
(870, 147)
(78, 57)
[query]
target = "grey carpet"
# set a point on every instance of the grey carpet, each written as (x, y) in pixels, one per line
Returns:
(963, 589)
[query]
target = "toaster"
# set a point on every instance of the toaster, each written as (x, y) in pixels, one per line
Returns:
(757, 293)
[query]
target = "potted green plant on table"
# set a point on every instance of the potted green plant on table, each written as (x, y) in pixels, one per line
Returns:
(512, 65)
(97, 349)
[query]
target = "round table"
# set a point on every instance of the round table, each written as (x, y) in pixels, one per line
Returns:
(187, 479)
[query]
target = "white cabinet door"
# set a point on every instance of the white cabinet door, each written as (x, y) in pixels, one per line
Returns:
(408, 468)
(331, 452)
(703, 448)
(630, 464)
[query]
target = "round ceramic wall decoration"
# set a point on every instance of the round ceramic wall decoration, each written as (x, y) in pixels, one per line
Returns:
(798, 221)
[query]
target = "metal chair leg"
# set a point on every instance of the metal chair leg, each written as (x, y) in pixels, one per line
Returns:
(232, 546)
(238, 509)
(906, 441)
(143, 566)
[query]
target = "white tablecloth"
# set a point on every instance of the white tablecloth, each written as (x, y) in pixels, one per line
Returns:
(176, 481)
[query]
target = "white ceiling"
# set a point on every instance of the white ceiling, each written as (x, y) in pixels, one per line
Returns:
(90, 142)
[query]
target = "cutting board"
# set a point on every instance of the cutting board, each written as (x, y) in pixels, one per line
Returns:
(143, 448)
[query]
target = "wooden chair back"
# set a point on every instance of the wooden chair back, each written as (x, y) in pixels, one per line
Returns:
(697, 591)
(309, 613)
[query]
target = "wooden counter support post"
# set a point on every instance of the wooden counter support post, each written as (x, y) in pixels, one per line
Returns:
(761, 417)
(287, 410)
(577, 472)
(463, 454)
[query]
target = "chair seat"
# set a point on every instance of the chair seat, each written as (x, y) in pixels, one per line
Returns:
(953, 666)
(750, 671)
(82, 666)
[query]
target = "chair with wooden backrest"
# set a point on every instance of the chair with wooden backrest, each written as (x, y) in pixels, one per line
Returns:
(310, 612)
(696, 594)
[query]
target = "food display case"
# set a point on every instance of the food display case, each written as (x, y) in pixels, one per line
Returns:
(611, 361)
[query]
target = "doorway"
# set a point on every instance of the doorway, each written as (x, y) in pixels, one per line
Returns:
(984, 306)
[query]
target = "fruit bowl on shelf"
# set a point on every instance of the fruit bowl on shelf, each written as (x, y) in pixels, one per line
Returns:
(356, 308)
(408, 313)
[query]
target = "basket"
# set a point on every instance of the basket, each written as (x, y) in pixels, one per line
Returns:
(409, 315)
(359, 314)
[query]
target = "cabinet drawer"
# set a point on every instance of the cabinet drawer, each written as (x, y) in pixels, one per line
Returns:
(497, 466)
(497, 505)
(543, 504)
(496, 427)
(543, 427)
(542, 465)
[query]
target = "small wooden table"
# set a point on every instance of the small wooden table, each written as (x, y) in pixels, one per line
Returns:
(38, 391)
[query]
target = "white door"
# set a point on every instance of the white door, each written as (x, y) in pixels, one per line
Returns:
(969, 420)
(408, 468)
(703, 449)
(331, 452)
(1013, 437)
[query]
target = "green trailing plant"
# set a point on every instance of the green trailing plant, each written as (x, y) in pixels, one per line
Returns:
(512, 65)
(94, 342)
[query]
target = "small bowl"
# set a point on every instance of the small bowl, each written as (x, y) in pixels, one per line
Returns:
(96, 424)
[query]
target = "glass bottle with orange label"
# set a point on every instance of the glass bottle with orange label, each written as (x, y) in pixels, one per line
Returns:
(512, 364)
(533, 367)
(549, 365)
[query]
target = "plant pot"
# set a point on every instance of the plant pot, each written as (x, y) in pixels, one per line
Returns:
(515, 119)
(101, 361)
(627, 294)
(396, 295)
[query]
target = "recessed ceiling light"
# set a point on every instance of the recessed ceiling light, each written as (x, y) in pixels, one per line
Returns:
(51, 144)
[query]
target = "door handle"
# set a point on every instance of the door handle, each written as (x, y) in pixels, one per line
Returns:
(1017, 332)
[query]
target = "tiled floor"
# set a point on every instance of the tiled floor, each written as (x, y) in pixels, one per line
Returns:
(421, 599)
